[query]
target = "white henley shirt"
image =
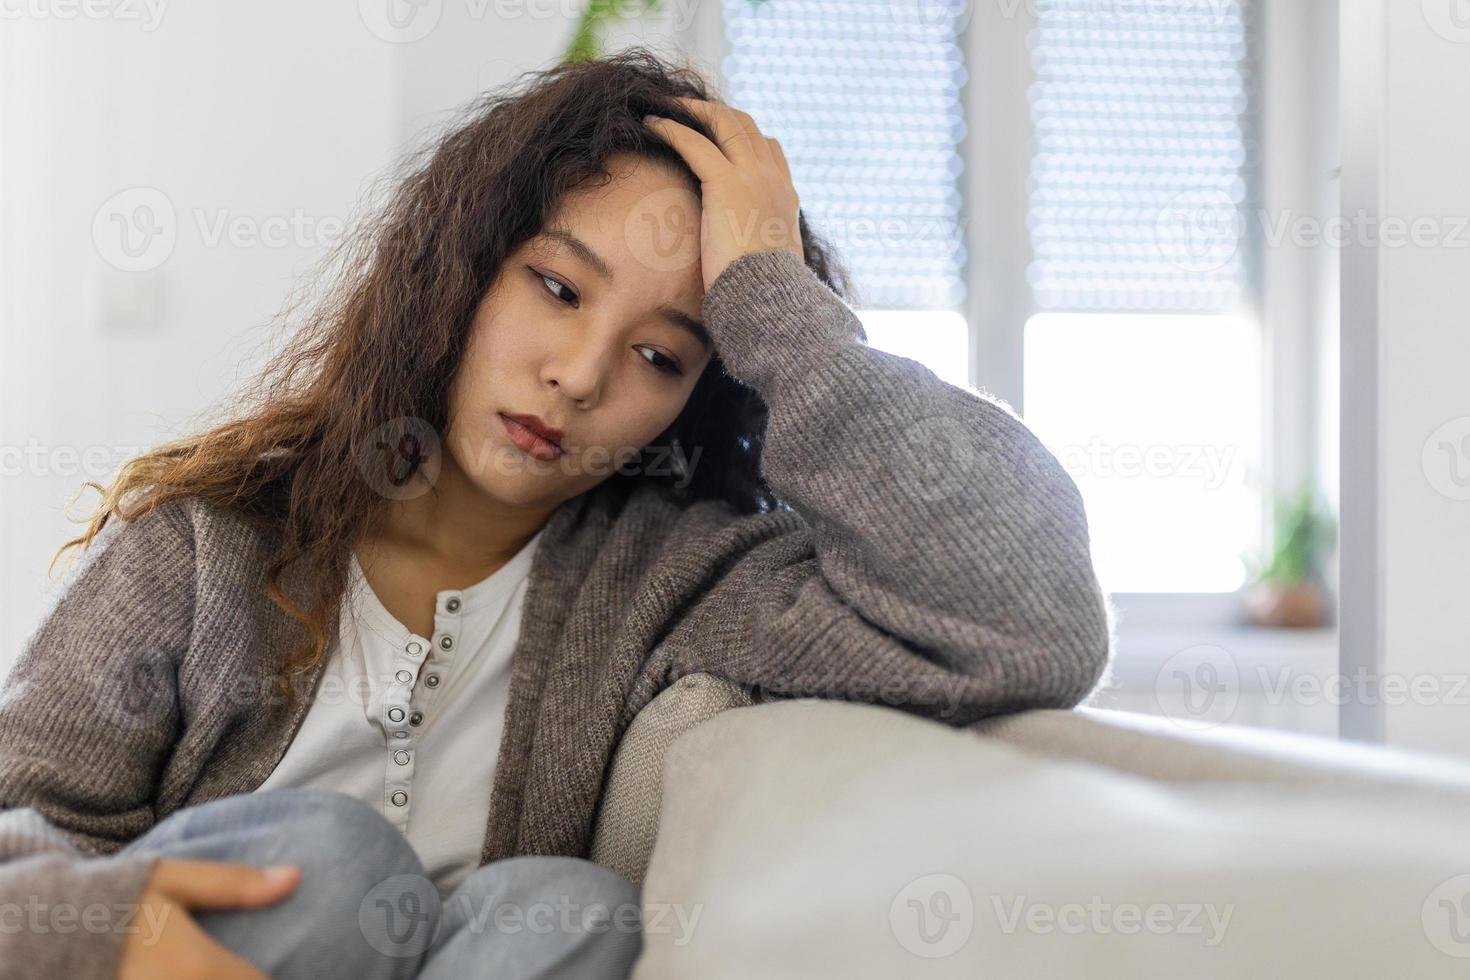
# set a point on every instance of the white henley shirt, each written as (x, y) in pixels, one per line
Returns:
(412, 724)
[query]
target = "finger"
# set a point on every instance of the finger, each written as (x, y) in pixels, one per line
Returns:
(779, 156)
(703, 157)
(221, 884)
(736, 132)
(758, 140)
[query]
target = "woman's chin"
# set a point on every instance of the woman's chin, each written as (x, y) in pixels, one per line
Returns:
(534, 485)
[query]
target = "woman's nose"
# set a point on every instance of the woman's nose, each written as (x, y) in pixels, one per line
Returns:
(578, 369)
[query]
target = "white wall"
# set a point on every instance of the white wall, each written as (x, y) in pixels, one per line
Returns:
(479, 44)
(264, 114)
(1406, 403)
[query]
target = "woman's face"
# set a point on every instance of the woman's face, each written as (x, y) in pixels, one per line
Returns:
(593, 326)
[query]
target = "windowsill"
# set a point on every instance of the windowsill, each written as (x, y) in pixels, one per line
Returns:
(1269, 678)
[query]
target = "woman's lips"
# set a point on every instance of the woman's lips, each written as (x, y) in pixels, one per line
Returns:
(530, 442)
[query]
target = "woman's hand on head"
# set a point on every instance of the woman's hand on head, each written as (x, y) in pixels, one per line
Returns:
(169, 945)
(749, 203)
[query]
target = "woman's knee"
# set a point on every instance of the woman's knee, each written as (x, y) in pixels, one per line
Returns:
(550, 893)
(282, 826)
(362, 903)
(538, 916)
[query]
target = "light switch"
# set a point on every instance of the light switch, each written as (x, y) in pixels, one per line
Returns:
(126, 303)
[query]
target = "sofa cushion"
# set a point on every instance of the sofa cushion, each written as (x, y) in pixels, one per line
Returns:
(820, 838)
(628, 811)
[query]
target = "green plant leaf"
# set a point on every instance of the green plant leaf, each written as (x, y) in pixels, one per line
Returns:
(1305, 533)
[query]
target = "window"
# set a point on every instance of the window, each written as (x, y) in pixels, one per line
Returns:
(864, 96)
(1154, 416)
(1143, 363)
(1139, 363)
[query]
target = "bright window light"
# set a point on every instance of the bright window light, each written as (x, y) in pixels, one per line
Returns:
(1158, 419)
(937, 339)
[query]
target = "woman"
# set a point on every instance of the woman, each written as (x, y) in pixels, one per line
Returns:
(588, 414)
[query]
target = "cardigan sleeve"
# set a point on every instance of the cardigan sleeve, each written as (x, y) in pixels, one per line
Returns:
(938, 559)
(87, 715)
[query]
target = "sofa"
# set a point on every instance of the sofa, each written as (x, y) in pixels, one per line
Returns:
(811, 838)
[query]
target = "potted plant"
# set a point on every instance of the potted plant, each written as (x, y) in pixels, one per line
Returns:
(587, 37)
(1290, 591)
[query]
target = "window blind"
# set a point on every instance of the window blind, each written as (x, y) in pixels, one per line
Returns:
(1143, 182)
(864, 96)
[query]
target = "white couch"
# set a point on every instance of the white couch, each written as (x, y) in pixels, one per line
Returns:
(807, 838)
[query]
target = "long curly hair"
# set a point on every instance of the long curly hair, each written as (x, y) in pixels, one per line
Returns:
(386, 336)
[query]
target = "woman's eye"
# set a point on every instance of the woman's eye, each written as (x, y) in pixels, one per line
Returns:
(663, 363)
(560, 291)
(552, 285)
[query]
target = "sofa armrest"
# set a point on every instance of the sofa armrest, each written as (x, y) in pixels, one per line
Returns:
(628, 811)
(821, 838)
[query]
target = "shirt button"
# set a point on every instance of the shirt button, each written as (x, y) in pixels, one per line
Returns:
(432, 680)
(400, 734)
(396, 714)
(400, 798)
(415, 648)
(446, 642)
(400, 757)
(415, 718)
(452, 605)
(404, 676)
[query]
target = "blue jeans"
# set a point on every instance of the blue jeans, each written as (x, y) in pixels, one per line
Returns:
(364, 909)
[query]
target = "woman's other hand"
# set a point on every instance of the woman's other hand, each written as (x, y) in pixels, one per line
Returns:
(176, 948)
(748, 201)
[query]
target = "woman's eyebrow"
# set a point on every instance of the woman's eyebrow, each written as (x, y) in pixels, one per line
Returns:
(589, 256)
(581, 250)
(688, 324)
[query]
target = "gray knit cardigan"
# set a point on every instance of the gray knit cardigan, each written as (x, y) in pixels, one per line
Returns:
(932, 557)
